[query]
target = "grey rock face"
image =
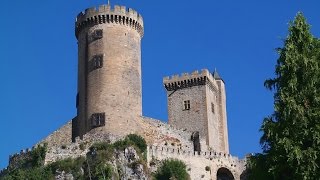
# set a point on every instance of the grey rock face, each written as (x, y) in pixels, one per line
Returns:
(61, 175)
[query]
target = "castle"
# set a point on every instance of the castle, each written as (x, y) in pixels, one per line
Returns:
(109, 100)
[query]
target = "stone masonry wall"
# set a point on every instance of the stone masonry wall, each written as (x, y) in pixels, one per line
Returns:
(197, 163)
(195, 118)
(62, 136)
(213, 118)
(165, 141)
(158, 133)
(223, 125)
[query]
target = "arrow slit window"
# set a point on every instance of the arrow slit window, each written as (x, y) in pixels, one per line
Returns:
(186, 105)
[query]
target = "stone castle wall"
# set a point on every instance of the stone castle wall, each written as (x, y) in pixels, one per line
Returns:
(165, 141)
(16, 159)
(154, 131)
(62, 136)
(197, 162)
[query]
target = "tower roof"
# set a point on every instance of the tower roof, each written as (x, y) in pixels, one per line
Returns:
(216, 75)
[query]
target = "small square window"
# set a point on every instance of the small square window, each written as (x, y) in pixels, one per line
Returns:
(98, 119)
(95, 35)
(186, 105)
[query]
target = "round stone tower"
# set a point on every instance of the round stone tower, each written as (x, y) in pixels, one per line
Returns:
(109, 70)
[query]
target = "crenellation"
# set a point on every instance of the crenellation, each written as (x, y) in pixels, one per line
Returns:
(117, 9)
(132, 13)
(123, 9)
(185, 76)
(195, 72)
(188, 80)
(104, 8)
(91, 10)
(205, 154)
(21, 152)
(197, 161)
(101, 14)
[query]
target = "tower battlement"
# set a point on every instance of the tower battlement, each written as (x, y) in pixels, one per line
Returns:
(188, 80)
(106, 14)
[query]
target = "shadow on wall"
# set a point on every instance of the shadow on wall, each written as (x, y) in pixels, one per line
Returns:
(224, 174)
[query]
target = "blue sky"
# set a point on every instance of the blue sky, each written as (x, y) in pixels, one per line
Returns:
(38, 66)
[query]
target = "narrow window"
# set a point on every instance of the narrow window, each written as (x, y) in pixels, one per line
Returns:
(98, 120)
(186, 105)
(212, 108)
(96, 62)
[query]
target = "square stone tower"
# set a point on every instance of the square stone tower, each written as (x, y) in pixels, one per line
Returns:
(197, 103)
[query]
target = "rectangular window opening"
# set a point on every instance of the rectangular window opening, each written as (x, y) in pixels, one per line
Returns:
(95, 35)
(186, 105)
(96, 62)
(98, 120)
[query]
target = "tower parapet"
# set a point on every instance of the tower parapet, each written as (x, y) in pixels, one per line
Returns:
(186, 80)
(105, 14)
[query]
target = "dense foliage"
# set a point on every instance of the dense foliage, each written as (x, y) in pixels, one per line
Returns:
(291, 135)
(132, 140)
(38, 155)
(30, 174)
(97, 164)
(73, 166)
(172, 169)
(138, 142)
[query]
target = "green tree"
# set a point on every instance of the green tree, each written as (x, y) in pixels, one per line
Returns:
(139, 141)
(172, 169)
(291, 135)
(38, 155)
